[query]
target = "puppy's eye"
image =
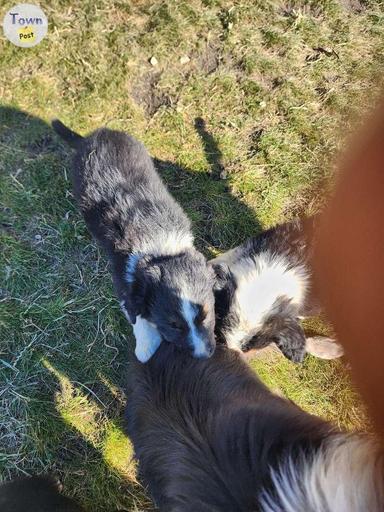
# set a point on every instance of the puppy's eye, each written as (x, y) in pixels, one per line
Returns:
(202, 314)
(176, 325)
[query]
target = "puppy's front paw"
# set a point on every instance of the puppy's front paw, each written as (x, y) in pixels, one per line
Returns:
(145, 352)
(147, 337)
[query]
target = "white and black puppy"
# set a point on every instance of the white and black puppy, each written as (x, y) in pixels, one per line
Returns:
(164, 285)
(263, 287)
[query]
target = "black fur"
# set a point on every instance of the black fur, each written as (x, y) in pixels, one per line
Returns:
(207, 433)
(35, 494)
(72, 138)
(282, 328)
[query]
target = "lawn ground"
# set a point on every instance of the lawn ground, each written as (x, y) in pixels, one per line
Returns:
(245, 107)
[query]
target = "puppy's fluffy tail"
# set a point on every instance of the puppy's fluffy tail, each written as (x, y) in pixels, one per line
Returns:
(71, 137)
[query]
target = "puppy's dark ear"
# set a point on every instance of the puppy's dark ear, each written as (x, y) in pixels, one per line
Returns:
(290, 339)
(222, 275)
(144, 278)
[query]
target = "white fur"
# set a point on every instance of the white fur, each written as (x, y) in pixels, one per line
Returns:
(346, 475)
(123, 309)
(147, 337)
(231, 257)
(170, 243)
(260, 282)
(131, 265)
(189, 313)
(166, 240)
(167, 243)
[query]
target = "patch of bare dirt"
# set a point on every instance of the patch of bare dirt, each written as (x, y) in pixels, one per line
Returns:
(255, 138)
(147, 94)
(209, 60)
(353, 5)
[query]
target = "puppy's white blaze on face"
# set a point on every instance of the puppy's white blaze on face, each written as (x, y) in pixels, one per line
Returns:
(147, 337)
(189, 313)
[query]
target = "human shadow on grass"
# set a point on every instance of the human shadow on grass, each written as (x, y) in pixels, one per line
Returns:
(36, 164)
(212, 151)
(220, 220)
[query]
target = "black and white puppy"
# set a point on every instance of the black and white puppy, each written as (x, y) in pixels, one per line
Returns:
(164, 285)
(210, 437)
(263, 287)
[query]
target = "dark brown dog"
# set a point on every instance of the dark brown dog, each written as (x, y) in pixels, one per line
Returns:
(209, 436)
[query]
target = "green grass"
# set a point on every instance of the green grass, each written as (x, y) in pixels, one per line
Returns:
(275, 112)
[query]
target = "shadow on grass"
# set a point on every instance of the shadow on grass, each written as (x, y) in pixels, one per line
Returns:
(74, 410)
(84, 439)
(212, 151)
(220, 220)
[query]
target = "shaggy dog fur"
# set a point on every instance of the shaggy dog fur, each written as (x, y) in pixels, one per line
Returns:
(35, 494)
(164, 284)
(263, 287)
(209, 436)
